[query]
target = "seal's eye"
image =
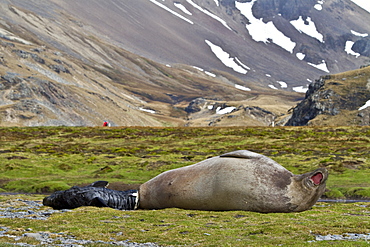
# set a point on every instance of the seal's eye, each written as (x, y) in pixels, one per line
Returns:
(316, 179)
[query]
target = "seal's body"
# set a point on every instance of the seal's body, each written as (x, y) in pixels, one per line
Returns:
(240, 180)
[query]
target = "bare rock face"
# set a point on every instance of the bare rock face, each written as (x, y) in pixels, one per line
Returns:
(334, 97)
(195, 105)
(362, 47)
(289, 9)
(318, 101)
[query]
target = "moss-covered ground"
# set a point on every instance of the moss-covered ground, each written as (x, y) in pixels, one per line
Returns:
(45, 159)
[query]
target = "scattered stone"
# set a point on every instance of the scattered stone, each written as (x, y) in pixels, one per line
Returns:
(59, 68)
(345, 236)
(28, 209)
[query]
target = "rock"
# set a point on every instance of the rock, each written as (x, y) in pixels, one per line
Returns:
(25, 54)
(362, 46)
(260, 113)
(9, 80)
(59, 68)
(36, 236)
(317, 101)
(334, 95)
(196, 105)
(290, 10)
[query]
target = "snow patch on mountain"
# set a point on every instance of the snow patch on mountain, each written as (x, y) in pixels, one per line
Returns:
(225, 58)
(241, 64)
(206, 72)
(363, 4)
(182, 8)
(209, 73)
(242, 87)
(300, 55)
(309, 29)
(225, 110)
(348, 49)
(208, 13)
(322, 66)
(367, 104)
(300, 89)
(282, 84)
(359, 34)
(147, 110)
(200, 69)
(318, 6)
(171, 11)
(264, 32)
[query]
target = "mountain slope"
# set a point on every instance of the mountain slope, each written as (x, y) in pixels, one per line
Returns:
(150, 62)
(277, 43)
(57, 71)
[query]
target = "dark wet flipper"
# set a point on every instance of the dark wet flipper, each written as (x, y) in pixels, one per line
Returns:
(102, 184)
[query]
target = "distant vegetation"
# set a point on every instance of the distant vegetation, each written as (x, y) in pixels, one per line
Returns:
(45, 159)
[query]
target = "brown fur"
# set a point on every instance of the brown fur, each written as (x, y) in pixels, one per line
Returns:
(240, 180)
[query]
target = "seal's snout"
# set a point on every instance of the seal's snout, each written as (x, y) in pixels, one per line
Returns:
(317, 178)
(313, 180)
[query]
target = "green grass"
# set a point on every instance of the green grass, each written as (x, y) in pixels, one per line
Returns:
(176, 227)
(45, 159)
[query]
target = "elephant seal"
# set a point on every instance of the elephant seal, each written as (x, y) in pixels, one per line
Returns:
(239, 180)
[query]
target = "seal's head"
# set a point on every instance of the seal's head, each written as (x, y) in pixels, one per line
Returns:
(306, 189)
(56, 201)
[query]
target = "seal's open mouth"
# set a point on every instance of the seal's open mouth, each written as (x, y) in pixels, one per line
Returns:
(317, 178)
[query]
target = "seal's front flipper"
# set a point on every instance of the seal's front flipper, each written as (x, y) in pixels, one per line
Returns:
(98, 202)
(245, 154)
(99, 184)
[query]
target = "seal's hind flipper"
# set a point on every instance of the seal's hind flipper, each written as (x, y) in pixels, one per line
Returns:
(245, 154)
(101, 184)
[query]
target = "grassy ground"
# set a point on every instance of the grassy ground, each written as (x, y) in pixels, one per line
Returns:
(176, 227)
(45, 159)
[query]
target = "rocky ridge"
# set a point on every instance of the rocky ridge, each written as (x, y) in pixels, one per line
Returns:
(340, 99)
